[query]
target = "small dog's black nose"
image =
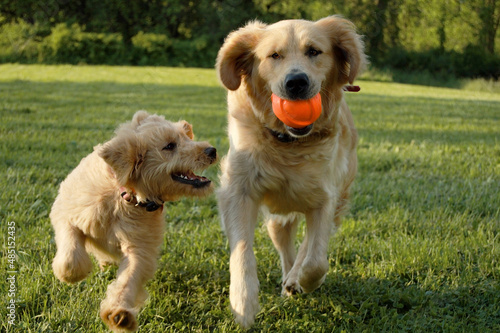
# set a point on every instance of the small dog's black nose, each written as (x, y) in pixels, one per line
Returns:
(211, 152)
(296, 85)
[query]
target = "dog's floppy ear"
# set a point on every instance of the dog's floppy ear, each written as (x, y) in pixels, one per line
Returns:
(348, 48)
(124, 155)
(236, 56)
(188, 128)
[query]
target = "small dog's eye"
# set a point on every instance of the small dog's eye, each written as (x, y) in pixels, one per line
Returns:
(170, 146)
(275, 55)
(312, 52)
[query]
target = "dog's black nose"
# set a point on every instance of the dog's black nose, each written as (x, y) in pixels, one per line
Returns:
(296, 85)
(211, 152)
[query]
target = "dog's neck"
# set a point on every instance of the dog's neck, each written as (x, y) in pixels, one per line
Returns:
(282, 137)
(310, 139)
(131, 197)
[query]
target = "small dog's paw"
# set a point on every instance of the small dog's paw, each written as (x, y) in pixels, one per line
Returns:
(119, 320)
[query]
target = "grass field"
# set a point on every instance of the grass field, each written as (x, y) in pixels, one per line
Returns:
(419, 251)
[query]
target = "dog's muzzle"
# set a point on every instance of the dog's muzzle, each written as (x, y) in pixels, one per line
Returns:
(190, 178)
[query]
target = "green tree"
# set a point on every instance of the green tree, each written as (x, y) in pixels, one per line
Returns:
(489, 15)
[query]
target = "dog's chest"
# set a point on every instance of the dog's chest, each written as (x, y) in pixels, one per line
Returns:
(298, 187)
(298, 195)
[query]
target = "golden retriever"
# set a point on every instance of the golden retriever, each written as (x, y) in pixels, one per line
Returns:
(286, 171)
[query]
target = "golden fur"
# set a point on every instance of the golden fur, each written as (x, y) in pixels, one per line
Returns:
(90, 214)
(286, 171)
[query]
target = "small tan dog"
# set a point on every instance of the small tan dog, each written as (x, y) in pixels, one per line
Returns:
(286, 171)
(111, 205)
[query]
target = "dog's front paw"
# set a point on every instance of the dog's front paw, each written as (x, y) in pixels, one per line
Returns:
(245, 307)
(119, 320)
(312, 274)
(244, 314)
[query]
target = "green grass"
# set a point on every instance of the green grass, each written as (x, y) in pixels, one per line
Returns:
(419, 251)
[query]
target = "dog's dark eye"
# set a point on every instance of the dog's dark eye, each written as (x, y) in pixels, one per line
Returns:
(312, 52)
(171, 146)
(275, 55)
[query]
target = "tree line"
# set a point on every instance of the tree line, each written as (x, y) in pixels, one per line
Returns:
(456, 37)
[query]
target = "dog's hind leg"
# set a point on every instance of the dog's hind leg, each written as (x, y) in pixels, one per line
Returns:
(71, 263)
(282, 230)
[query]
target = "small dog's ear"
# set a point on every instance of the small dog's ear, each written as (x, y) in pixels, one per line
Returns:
(124, 155)
(188, 128)
(236, 55)
(138, 118)
(348, 47)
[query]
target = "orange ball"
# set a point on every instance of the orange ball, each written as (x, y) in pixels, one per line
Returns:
(297, 114)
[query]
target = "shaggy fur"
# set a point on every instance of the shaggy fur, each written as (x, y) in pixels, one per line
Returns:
(102, 207)
(286, 171)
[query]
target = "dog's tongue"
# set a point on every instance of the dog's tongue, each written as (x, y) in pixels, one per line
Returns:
(297, 114)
